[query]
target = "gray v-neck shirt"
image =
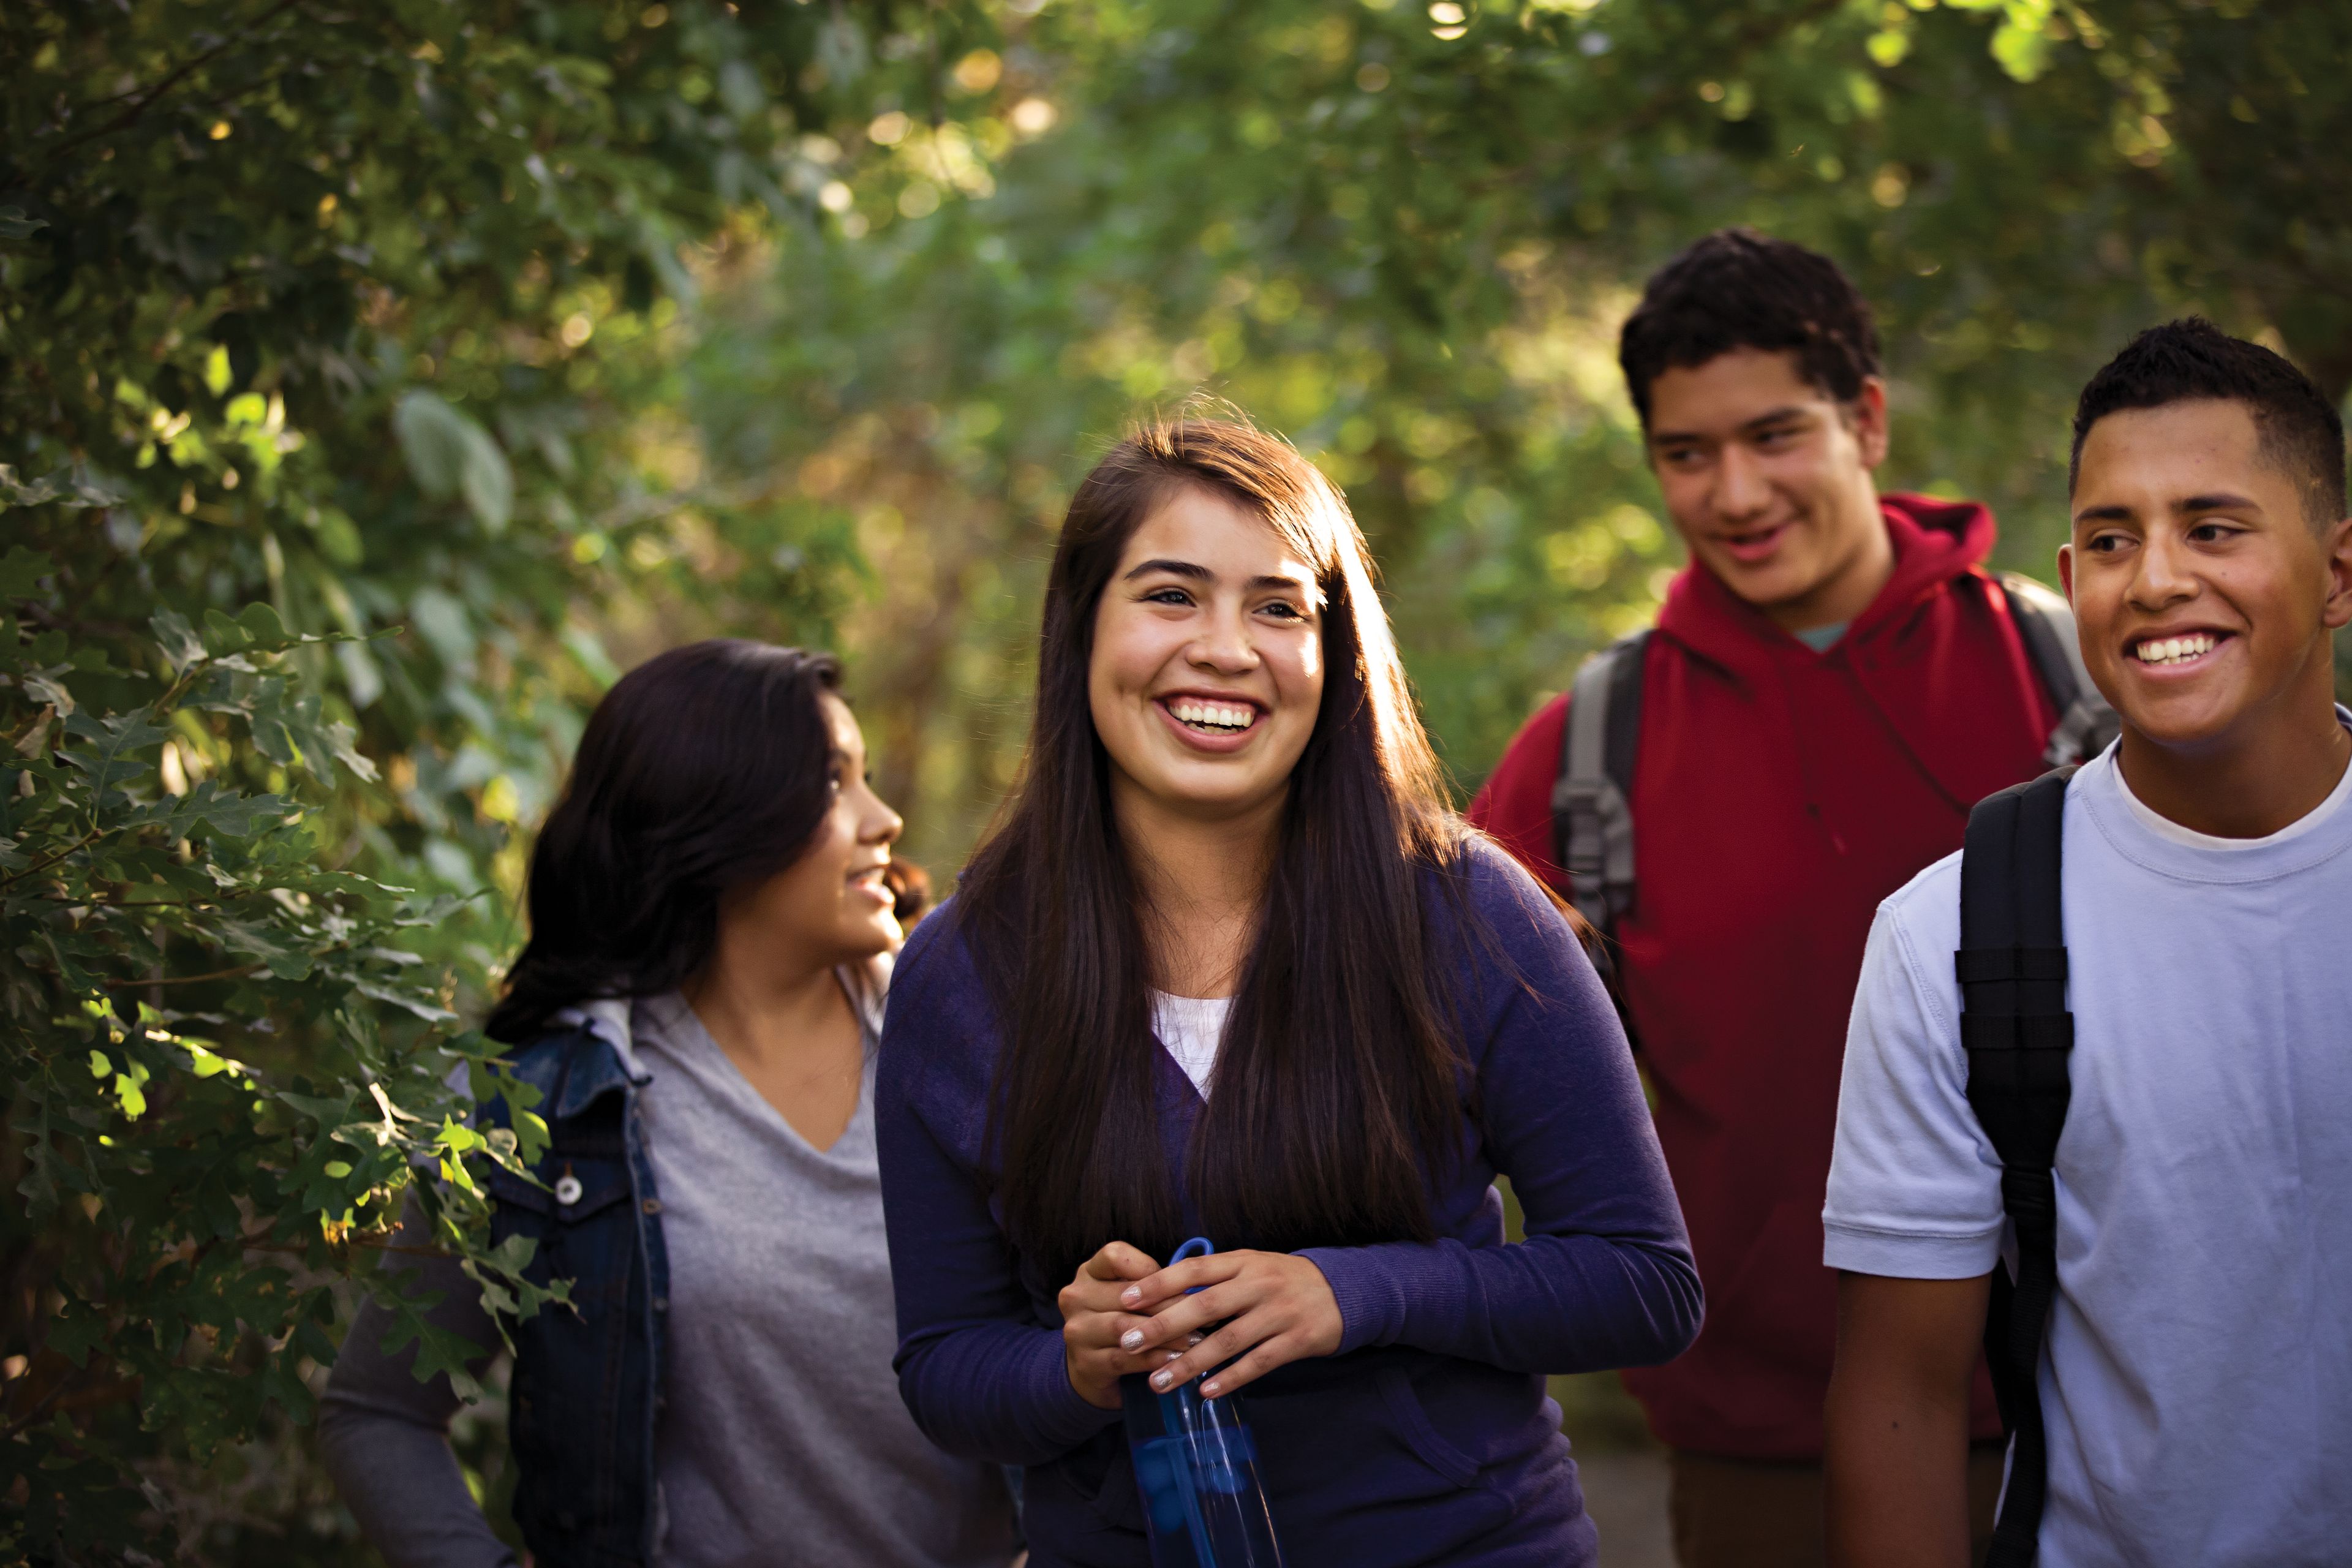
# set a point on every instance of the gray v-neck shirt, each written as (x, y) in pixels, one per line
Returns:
(784, 1440)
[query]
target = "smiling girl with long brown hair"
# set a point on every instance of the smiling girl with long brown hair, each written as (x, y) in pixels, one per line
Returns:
(1229, 965)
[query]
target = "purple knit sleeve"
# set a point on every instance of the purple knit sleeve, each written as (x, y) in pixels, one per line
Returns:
(983, 1376)
(1605, 1277)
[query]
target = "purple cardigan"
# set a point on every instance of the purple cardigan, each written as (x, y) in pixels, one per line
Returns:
(1427, 1438)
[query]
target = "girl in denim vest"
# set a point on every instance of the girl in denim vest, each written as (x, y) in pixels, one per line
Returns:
(711, 929)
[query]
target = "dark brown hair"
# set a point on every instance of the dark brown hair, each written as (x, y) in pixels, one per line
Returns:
(703, 768)
(2300, 432)
(1339, 1083)
(1738, 289)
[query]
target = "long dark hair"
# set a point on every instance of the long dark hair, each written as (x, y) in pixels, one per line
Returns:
(705, 767)
(1340, 1076)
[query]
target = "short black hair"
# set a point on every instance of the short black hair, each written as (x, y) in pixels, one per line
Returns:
(2300, 431)
(1738, 289)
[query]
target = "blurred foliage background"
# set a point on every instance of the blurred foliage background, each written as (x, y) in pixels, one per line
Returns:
(489, 348)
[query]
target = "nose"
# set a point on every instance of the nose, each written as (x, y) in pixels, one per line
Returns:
(881, 825)
(1223, 644)
(1741, 490)
(2163, 576)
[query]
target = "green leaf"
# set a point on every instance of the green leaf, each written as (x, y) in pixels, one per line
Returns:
(439, 1351)
(116, 737)
(76, 1331)
(2023, 52)
(225, 812)
(21, 569)
(255, 629)
(47, 688)
(205, 1062)
(223, 635)
(413, 1002)
(261, 624)
(14, 491)
(181, 645)
(130, 1091)
(451, 455)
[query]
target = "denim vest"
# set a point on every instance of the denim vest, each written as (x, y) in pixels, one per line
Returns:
(587, 1380)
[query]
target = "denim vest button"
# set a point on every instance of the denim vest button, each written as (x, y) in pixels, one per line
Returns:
(567, 1189)
(661, 1303)
(653, 1205)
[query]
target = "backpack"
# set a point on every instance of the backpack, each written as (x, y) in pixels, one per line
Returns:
(1592, 821)
(2014, 1024)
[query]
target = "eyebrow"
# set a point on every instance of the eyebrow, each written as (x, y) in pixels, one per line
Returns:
(1762, 421)
(1194, 572)
(2220, 501)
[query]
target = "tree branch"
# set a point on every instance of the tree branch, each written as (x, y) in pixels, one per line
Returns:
(238, 973)
(146, 100)
(38, 866)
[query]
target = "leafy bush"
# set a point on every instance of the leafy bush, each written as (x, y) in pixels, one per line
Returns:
(186, 1208)
(324, 335)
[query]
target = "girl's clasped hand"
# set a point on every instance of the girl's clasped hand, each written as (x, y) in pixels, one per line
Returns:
(1123, 1314)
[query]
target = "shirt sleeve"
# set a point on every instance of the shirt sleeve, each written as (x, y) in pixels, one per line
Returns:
(1915, 1186)
(385, 1436)
(1605, 1277)
(1514, 805)
(982, 1377)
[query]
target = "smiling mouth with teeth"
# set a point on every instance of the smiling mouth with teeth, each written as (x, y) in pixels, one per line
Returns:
(1213, 718)
(2175, 650)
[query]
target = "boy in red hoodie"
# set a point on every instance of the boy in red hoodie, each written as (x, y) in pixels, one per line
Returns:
(1834, 680)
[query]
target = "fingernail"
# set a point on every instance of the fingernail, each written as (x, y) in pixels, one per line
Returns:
(1129, 1340)
(1162, 1378)
(1207, 1389)
(1132, 1295)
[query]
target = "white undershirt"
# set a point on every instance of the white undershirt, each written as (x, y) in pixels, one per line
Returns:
(2165, 827)
(1190, 1028)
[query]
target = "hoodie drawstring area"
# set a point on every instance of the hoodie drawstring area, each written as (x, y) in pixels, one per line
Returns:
(1806, 773)
(1902, 742)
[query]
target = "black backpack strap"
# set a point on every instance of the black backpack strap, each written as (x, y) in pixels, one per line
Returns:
(2018, 1033)
(2046, 623)
(1591, 814)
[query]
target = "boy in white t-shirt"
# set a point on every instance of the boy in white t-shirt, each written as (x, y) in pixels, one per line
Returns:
(2197, 1377)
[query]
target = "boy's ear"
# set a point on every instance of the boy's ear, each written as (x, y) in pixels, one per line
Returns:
(2338, 541)
(2066, 572)
(1867, 413)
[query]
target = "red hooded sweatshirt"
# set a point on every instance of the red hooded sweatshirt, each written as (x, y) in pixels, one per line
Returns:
(1779, 795)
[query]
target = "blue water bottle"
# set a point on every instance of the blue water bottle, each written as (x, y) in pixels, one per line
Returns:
(1196, 1468)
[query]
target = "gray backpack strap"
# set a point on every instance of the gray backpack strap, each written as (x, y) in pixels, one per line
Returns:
(2046, 622)
(1592, 819)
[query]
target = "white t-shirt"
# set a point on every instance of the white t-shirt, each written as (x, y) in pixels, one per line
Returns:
(1190, 1028)
(2197, 1379)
